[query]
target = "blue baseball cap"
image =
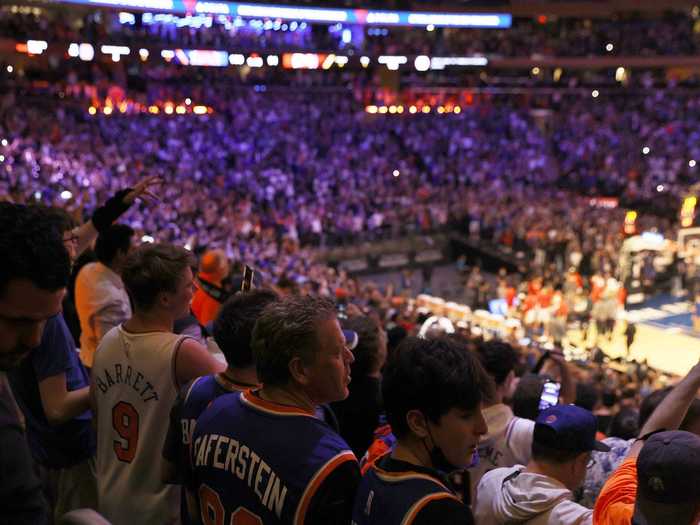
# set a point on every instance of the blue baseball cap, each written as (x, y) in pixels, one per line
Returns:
(351, 339)
(567, 427)
(668, 468)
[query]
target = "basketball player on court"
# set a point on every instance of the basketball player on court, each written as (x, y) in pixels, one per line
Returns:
(263, 456)
(139, 367)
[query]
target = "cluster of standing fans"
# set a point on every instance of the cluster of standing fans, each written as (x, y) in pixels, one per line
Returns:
(258, 426)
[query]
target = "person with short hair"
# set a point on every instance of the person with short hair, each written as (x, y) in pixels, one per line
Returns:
(233, 330)
(34, 272)
(139, 367)
(509, 438)
(264, 455)
(433, 390)
(100, 298)
(359, 414)
(658, 483)
(541, 492)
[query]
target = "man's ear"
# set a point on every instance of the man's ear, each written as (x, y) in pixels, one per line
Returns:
(417, 423)
(298, 371)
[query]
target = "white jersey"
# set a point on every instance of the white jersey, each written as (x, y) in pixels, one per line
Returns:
(508, 443)
(134, 389)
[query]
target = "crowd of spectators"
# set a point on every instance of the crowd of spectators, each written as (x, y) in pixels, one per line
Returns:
(466, 425)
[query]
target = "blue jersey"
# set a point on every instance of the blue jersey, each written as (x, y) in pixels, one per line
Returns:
(387, 497)
(196, 398)
(254, 461)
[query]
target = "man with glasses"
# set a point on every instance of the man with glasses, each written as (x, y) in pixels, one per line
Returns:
(541, 492)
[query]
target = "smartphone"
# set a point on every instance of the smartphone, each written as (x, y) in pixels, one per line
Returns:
(550, 395)
(248, 274)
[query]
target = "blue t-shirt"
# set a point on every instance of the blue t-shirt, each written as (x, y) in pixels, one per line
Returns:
(69, 443)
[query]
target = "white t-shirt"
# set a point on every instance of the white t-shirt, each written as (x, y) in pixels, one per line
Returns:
(508, 443)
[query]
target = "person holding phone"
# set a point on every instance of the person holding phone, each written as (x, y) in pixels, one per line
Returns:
(542, 491)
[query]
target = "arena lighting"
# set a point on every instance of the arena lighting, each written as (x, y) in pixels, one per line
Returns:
(609, 47)
(10, 69)
(426, 109)
(236, 59)
(4, 143)
(199, 110)
(430, 27)
(147, 238)
(364, 61)
(440, 63)
(153, 109)
(168, 109)
(595, 93)
(399, 109)
(92, 110)
(302, 60)
(107, 110)
(85, 51)
(167, 54)
(383, 109)
(691, 162)
(143, 53)
(115, 51)
(2, 158)
(645, 150)
(396, 173)
(422, 63)
(328, 62)
(180, 110)
(535, 71)
(311, 14)
(371, 109)
(188, 101)
(660, 188)
(412, 109)
(457, 109)
(272, 60)
(341, 60)
(292, 13)
(392, 62)
(36, 47)
(65, 195)
(392, 109)
(254, 61)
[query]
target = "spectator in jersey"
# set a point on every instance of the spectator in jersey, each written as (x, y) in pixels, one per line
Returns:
(233, 330)
(509, 439)
(100, 298)
(264, 454)
(541, 492)
(433, 390)
(213, 269)
(138, 368)
(34, 271)
(358, 415)
(659, 480)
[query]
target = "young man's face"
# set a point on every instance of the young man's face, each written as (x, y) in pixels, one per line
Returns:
(24, 310)
(458, 434)
(329, 373)
(182, 297)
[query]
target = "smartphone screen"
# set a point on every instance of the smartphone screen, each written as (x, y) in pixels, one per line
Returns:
(247, 283)
(550, 395)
